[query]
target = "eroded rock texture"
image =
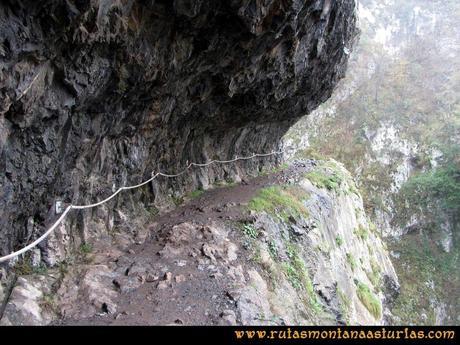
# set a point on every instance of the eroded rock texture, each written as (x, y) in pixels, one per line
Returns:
(97, 94)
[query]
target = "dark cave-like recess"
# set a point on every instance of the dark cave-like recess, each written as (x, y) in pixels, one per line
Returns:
(97, 94)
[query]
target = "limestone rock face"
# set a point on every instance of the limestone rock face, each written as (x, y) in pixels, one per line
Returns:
(291, 248)
(330, 259)
(30, 302)
(97, 94)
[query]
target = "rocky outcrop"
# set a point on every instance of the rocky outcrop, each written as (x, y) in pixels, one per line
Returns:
(368, 124)
(30, 302)
(334, 260)
(291, 248)
(97, 94)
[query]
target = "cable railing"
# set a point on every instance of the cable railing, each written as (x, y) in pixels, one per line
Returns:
(153, 177)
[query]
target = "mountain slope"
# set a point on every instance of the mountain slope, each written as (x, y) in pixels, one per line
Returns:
(288, 247)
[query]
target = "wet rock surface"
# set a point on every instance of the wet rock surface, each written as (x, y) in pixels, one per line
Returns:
(97, 94)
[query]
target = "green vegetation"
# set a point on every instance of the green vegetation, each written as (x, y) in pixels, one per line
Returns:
(369, 300)
(416, 93)
(177, 200)
(344, 305)
(324, 247)
(339, 240)
(372, 228)
(48, 303)
(272, 249)
(361, 232)
(375, 274)
(283, 201)
(86, 248)
(85, 251)
(321, 180)
(370, 249)
(435, 278)
(396, 95)
(250, 234)
(297, 274)
(196, 193)
(351, 261)
(153, 211)
(250, 231)
(24, 267)
(331, 176)
(280, 168)
(439, 187)
(434, 197)
(63, 268)
(353, 189)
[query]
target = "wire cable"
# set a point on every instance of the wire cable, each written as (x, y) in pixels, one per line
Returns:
(153, 176)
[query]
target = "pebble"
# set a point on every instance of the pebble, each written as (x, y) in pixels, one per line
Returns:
(229, 317)
(151, 278)
(181, 263)
(120, 315)
(179, 278)
(162, 285)
(234, 294)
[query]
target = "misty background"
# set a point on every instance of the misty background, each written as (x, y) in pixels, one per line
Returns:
(394, 122)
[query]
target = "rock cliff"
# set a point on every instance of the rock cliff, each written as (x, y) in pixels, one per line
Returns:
(290, 247)
(97, 94)
(401, 142)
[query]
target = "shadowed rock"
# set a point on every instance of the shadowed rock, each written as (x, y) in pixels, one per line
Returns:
(97, 94)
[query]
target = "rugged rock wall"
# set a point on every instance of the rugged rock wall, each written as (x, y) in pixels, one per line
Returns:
(325, 265)
(97, 94)
(397, 139)
(294, 247)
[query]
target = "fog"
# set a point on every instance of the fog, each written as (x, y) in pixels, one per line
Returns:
(394, 121)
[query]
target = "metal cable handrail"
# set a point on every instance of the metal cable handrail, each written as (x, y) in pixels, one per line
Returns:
(154, 176)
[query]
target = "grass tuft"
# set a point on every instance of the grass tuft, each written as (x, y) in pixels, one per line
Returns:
(24, 267)
(344, 305)
(361, 232)
(196, 193)
(339, 240)
(369, 300)
(297, 274)
(375, 274)
(273, 249)
(177, 200)
(321, 180)
(351, 261)
(86, 248)
(250, 231)
(283, 201)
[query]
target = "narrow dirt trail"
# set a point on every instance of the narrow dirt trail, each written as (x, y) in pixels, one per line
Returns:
(185, 271)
